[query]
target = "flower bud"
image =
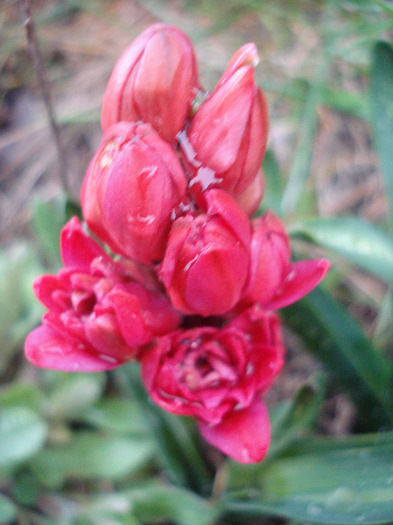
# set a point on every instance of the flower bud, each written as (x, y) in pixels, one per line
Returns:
(131, 191)
(206, 260)
(269, 259)
(273, 281)
(154, 80)
(226, 140)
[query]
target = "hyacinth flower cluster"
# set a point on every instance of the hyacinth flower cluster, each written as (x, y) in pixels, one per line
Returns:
(170, 269)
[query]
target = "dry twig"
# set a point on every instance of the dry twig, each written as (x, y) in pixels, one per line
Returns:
(35, 52)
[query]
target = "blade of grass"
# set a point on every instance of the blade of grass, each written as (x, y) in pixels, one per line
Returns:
(381, 92)
(299, 172)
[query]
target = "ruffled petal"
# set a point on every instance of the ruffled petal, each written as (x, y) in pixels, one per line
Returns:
(302, 277)
(244, 435)
(77, 248)
(46, 348)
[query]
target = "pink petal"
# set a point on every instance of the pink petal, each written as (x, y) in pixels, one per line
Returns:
(244, 435)
(77, 248)
(302, 277)
(129, 316)
(48, 349)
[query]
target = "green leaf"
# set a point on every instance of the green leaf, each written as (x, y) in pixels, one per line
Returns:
(157, 502)
(22, 394)
(334, 337)
(119, 416)
(26, 489)
(48, 219)
(293, 417)
(299, 172)
(22, 434)
(72, 393)
(332, 481)
(19, 309)
(274, 183)
(89, 456)
(288, 421)
(386, 7)
(357, 240)
(383, 334)
(381, 84)
(7, 510)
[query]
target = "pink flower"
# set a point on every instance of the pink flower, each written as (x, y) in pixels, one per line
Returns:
(98, 315)
(132, 190)
(226, 140)
(218, 376)
(155, 80)
(207, 257)
(273, 281)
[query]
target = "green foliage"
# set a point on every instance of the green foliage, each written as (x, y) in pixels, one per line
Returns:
(381, 84)
(332, 481)
(89, 455)
(22, 435)
(358, 241)
(335, 338)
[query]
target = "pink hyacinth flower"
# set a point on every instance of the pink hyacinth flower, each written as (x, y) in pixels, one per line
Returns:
(99, 316)
(218, 376)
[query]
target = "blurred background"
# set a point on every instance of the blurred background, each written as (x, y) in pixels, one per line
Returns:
(323, 73)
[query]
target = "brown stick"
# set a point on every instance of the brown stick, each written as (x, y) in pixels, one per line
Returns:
(38, 63)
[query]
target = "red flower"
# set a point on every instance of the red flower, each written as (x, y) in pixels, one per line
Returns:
(226, 140)
(273, 281)
(98, 315)
(154, 80)
(132, 190)
(206, 260)
(218, 376)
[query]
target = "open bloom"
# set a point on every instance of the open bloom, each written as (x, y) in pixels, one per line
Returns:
(131, 191)
(226, 141)
(273, 281)
(154, 80)
(207, 256)
(99, 315)
(218, 376)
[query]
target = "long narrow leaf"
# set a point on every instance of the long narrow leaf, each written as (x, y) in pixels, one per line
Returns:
(334, 337)
(300, 167)
(382, 113)
(349, 483)
(357, 240)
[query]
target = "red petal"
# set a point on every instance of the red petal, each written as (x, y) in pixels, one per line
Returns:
(302, 277)
(244, 435)
(48, 349)
(77, 248)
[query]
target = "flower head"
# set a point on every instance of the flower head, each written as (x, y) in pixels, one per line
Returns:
(99, 315)
(218, 376)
